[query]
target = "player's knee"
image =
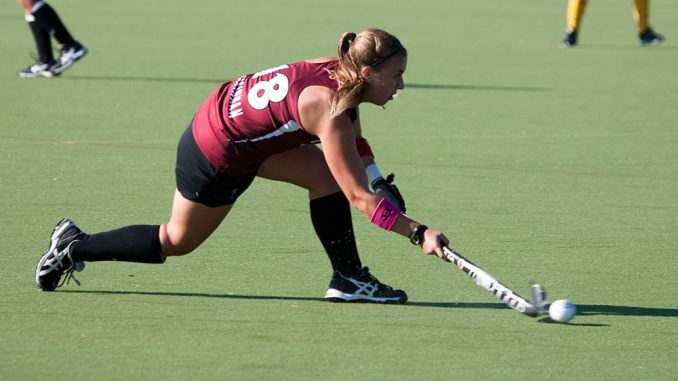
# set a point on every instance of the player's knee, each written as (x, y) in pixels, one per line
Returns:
(322, 184)
(177, 248)
(323, 191)
(176, 243)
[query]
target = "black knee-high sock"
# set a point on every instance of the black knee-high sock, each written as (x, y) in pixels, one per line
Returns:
(48, 19)
(331, 217)
(137, 243)
(42, 42)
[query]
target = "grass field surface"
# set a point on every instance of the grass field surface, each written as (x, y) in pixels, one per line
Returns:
(541, 164)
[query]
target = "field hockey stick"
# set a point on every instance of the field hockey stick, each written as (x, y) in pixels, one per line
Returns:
(491, 284)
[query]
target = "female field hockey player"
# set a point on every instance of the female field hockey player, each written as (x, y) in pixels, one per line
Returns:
(265, 124)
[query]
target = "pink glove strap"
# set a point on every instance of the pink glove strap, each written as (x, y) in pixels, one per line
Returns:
(385, 215)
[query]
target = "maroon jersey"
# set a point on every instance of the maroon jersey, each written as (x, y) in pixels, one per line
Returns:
(249, 119)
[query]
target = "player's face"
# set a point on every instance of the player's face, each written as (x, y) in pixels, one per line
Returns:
(384, 81)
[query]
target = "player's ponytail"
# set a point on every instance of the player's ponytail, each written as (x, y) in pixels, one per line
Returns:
(368, 48)
(347, 73)
(345, 42)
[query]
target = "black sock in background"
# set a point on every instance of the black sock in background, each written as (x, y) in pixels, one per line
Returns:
(47, 18)
(43, 42)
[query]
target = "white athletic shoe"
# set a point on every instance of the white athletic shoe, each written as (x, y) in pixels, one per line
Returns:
(71, 54)
(362, 288)
(57, 259)
(39, 70)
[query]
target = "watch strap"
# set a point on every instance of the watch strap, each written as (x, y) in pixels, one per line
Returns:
(417, 235)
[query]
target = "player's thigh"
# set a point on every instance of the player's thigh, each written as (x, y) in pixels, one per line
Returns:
(304, 166)
(190, 225)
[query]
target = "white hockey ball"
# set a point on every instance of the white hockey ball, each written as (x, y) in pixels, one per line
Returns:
(562, 310)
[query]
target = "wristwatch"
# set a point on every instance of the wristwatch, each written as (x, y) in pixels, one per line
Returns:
(417, 235)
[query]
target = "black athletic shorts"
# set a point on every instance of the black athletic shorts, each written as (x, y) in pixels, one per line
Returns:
(199, 181)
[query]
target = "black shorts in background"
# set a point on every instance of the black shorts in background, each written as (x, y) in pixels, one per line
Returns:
(199, 181)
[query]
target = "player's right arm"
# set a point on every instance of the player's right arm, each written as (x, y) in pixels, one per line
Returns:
(338, 141)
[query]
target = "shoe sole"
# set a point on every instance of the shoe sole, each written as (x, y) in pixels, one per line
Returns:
(80, 54)
(62, 68)
(42, 74)
(336, 296)
(62, 226)
(77, 56)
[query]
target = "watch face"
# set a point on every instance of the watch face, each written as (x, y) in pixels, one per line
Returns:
(417, 236)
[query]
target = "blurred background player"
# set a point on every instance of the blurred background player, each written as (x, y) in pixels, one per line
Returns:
(641, 11)
(44, 24)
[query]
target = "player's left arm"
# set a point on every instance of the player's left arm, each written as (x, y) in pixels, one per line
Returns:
(382, 187)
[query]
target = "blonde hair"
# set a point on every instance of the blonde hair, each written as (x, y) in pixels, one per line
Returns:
(371, 47)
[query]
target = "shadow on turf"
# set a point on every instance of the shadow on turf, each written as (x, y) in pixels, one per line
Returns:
(582, 309)
(191, 294)
(427, 86)
(424, 86)
(628, 47)
(598, 309)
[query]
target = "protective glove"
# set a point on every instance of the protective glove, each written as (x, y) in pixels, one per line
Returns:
(385, 188)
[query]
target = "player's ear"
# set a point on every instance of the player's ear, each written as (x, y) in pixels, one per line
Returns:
(365, 71)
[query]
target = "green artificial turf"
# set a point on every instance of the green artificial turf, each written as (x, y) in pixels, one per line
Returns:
(541, 164)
